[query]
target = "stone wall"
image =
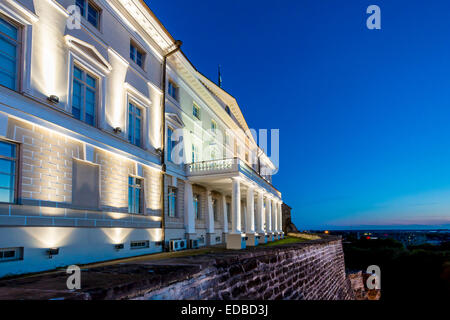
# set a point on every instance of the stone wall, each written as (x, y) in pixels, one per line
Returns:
(46, 162)
(288, 225)
(313, 270)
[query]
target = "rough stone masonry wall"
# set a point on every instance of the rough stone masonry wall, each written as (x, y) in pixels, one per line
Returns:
(311, 271)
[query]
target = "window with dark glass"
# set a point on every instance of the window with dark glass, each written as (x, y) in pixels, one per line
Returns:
(137, 55)
(170, 143)
(215, 210)
(142, 244)
(9, 44)
(172, 200)
(11, 254)
(8, 172)
(227, 109)
(84, 96)
(134, 195)
(195, 153)
(90, 11)
(213, 126)
(172, 90)
(196, 111)
(229, 211)
(197, 206)
(134, 124)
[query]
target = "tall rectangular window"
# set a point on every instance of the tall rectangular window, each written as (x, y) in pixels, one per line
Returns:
(134, 124)
(229, 212)
(90, 11)
(196, 111)
(173, 90)
(197, 206)
(215, 212)
(9, 44)
(134, 195)
(170, 143)
(213, 126)
(8, 172)
(172, 200)
(137, 55)
(195, 153)
(84, 96)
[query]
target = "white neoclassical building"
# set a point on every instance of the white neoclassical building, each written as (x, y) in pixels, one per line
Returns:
(113, 145)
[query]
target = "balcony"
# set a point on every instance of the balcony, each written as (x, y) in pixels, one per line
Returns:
(207, 170)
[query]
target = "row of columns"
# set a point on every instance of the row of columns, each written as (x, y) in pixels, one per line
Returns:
(261, 222)
(264, 221)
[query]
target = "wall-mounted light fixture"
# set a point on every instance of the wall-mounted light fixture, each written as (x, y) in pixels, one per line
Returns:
(53, 99)
(117, 130)
(52, 252)
(119, 246)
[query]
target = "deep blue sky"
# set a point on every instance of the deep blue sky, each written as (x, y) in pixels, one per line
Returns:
(364, 115)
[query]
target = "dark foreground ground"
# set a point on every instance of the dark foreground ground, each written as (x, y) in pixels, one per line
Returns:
(125, 278)
(411, 273)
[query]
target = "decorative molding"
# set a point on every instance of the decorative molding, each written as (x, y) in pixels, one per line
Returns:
(147, 22)
(59, 7)
(175, 119)
(19, 12)
(74, 44)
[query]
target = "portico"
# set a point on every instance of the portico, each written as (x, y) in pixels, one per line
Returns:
(254, 209)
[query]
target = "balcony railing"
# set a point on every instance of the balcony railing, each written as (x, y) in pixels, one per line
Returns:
(231, 166)
(212, 167)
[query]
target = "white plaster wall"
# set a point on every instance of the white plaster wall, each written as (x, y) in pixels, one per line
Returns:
(77, 246)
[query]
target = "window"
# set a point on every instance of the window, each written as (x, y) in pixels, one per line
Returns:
(90, 11)
(229, 212)
(195, 153)
(137, 55)
(197, 206)
(134, 124)
(196, 111)
(8, 172)
(9, 44)
(171, 144)
(172, 200)
(213, 126)
(84, 96)
(227, 109)
(173, 90)
(134, 195)
(215, 212)
(142, 244)
(11, 254)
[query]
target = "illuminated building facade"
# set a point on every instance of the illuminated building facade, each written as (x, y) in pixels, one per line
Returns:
(81, 129)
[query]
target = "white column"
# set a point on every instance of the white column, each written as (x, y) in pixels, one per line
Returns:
(189, 218)
(225, 214)
(236, 207)
(260, 213)
(210, 217)
(275, 216)
(268, 215)
(280, 216)
(250, 226)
